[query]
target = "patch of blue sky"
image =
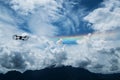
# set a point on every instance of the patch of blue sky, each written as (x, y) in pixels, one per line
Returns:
(24, 27)
(72, 41)
(91, 4)
(73, 29)
(73, 24)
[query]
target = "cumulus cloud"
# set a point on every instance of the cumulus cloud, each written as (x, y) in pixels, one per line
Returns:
(97, 52)
(36, 53)
(30, 56)
(106, 17)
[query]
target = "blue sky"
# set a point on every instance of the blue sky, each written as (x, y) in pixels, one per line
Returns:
(80, 26)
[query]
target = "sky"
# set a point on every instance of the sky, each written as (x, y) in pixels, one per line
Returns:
(75, 33)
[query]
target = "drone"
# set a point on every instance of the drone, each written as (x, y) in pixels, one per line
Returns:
(19, 37)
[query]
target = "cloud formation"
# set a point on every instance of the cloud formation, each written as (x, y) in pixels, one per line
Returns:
(98, 52)
(107, 17)
(28, 6)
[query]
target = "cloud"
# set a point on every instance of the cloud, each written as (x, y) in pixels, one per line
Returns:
(36, 53)
(107, 17)
(98, 52)
(12, 51)
(27, 6)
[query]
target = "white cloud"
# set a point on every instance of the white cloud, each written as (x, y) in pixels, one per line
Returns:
(32, 54)
(106, 47)
(29, 6)
(98, 52)
(40, 23)
(107, 17)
